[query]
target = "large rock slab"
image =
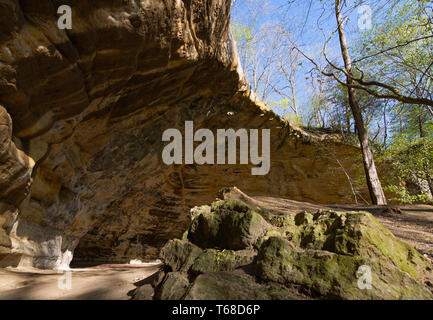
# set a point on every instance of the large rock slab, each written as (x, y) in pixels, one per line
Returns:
(230, 286)
(180, 255)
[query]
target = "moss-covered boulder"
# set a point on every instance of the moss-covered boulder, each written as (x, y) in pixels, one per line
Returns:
(360, 234)
(205, 227)
(173, 287)
(179, 255)
(335, 276)
(228, 225)
(303, 218)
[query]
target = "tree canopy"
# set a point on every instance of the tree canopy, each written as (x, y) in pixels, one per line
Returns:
(302, 75)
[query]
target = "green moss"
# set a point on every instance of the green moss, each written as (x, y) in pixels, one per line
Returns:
(314, 235)
(265, 214)
(185, 235)
(228, 224)
(303, 218)
(205, 228)
(403, 256)
(228, 286)
(196, 211)
(267, 235)
(230, 205)
(282, 221)
(212, 260)
(333, 275)
(242, 230)
(179, 255)
(320, 214)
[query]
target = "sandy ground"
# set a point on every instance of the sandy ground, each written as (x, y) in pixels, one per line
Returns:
(105, 282)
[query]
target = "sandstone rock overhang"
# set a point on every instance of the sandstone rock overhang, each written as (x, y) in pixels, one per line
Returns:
(88, 108)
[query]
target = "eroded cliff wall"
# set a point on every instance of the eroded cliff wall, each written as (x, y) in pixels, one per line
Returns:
(83, 115)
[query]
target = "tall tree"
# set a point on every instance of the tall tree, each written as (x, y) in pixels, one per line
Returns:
(374, 186)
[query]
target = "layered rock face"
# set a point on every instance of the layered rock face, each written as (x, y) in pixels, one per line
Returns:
(83, 113)
(234, 250)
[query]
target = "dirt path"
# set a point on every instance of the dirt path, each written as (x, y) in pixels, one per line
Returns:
(105, 282)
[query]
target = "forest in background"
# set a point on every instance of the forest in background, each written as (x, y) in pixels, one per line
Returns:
(360, 68)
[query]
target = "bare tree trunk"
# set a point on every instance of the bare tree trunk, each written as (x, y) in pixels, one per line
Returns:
(420, 124)
(292, 88)
(430, 110)
(374, 186)
(385, 124)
